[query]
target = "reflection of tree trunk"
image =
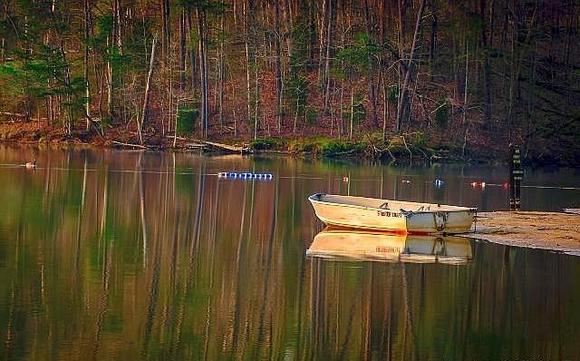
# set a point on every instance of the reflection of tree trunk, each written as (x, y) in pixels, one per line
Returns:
(236, 321)
(212, 256)
(408, 312)
(80, 221)
(104, 206)
(473, 303)
(142, 211)
(153, 299)
(346, 342)
(266, 287)
(313, 300)
(106, 273)
(198, 212)
(174, 291)
(387, 323)
(368, 300)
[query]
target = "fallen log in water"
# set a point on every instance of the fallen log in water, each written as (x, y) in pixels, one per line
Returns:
(195, 146)
(226, 147)
(546, 230)
(129, 145)
(206, 144)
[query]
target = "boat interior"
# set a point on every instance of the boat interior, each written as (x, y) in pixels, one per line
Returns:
(386, 204)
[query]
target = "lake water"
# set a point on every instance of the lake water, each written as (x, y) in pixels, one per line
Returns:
(129, 255)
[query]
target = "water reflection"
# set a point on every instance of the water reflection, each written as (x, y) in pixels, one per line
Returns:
(337, 244)
(129, 255)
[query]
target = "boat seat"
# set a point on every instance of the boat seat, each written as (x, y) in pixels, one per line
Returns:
(384, 205)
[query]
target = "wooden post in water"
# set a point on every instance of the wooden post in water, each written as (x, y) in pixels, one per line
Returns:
(516, 176)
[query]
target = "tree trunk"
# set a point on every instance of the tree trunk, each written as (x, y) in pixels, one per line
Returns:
(109, 88)
(403, 94)
(487, 110)
(372, 86)
(465, 124)
(221, 71)
(327, 59)
(433, 44)
(351, 112)
(67, 95)
(146, 95)
(3, 39)
(257, 98)
(247, 11)
(192, 55)
(322, 27)
(296, 116)
(86, 65)
(466, 83)
(165, 29)
(182, 50)
(118, 39)
(203, 70)
(385, 107)
(278, 67)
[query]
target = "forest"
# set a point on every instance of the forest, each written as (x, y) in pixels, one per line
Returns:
(469, 77)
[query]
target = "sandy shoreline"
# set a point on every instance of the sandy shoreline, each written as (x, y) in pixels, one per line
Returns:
(556, 231)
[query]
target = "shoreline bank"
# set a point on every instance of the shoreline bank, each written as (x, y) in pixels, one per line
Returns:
(403, 148)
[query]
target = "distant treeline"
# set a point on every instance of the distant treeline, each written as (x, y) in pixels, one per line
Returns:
(476, 72)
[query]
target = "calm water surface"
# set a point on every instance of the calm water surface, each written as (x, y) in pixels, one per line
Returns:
(109, 255)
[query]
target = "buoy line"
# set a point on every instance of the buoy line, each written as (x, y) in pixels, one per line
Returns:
(338, 178)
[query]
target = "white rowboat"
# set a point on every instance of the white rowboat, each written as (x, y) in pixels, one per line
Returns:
(391, 215)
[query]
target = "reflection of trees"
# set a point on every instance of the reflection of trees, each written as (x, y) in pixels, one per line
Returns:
(480, 311)
(138, 255)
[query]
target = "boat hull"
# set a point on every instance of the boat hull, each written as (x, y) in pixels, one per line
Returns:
(365, 213)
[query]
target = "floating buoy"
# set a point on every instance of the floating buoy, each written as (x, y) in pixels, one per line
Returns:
(406, 181)
(438, 182)
(477, 184)
(345, 179)
(245, 175)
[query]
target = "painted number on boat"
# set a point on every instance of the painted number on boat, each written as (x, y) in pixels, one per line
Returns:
(387, 214)
(384, 249)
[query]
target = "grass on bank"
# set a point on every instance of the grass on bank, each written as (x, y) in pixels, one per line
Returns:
(414, 145)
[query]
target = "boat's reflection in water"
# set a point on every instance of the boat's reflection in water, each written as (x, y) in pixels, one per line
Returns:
(347, 244)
